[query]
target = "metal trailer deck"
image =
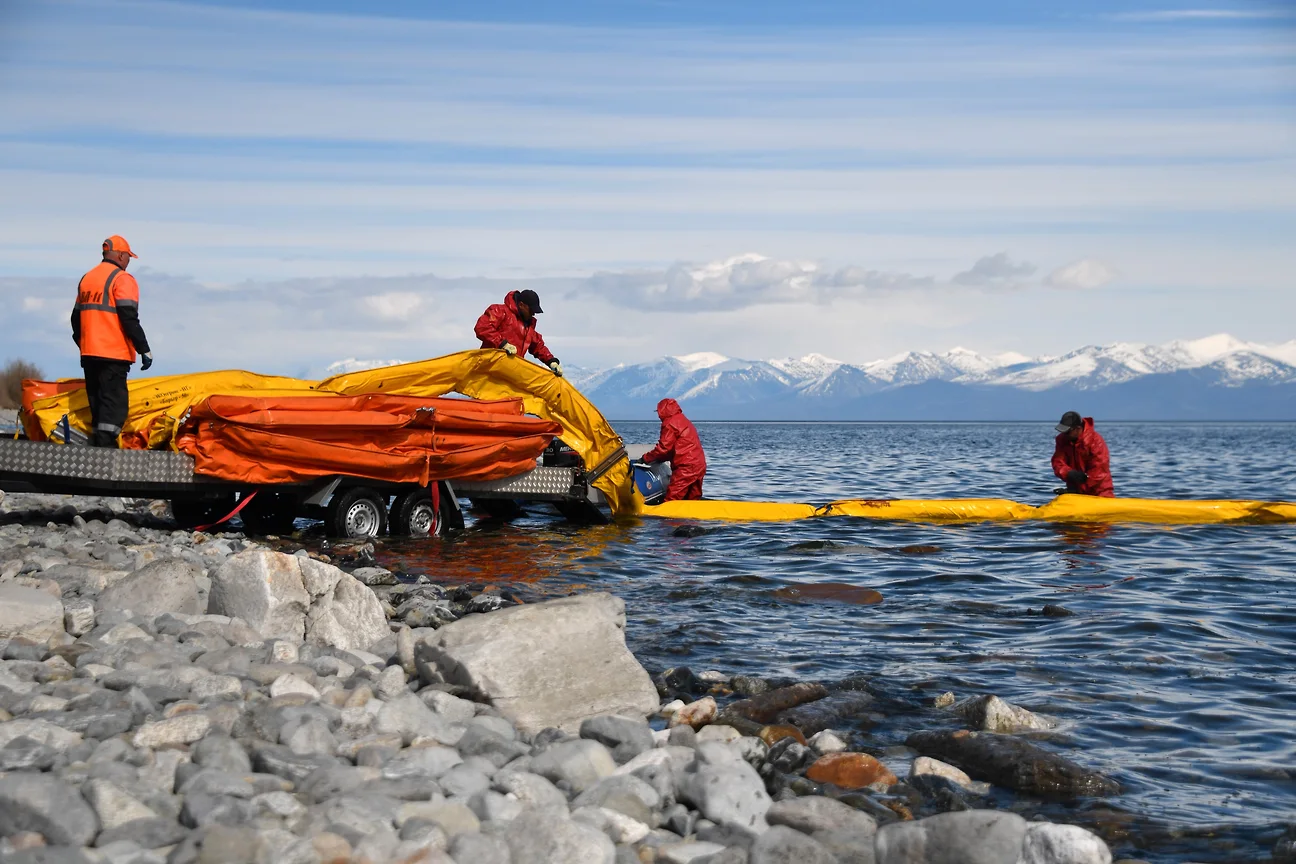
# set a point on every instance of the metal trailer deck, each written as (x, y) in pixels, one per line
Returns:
(37, 466)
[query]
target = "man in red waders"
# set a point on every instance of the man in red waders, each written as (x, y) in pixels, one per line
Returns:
(679, 444)
(1080, 457)
(511, 327)
(106, 327)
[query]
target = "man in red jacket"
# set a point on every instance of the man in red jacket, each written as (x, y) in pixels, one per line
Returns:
(511, 326)
(1080, 457)
(679, 444)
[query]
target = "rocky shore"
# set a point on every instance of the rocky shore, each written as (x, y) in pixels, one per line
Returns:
(172, 696)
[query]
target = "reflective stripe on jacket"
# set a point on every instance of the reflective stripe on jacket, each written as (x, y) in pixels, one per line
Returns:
(101, 294)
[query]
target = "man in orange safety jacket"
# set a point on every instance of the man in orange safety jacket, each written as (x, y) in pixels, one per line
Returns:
(106, 327)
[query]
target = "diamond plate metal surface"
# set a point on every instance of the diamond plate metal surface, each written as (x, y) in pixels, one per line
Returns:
(541, 482)
(95, 464)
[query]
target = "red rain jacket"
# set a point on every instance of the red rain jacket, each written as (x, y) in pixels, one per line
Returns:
(679, 444)
(1088, 453)
(501, 323)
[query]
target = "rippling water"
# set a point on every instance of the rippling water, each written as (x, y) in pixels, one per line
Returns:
(1176, 675)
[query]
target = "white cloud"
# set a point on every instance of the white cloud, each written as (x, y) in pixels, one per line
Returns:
(1084, 274)
(995, 271)
(33, 304)
(394, 305)
(742, 281)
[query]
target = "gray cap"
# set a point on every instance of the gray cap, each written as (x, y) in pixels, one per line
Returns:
(1070, 420)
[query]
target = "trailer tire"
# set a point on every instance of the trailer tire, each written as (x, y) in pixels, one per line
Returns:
(189, 513)
(270, 513)
(357, 512)
(412, 514)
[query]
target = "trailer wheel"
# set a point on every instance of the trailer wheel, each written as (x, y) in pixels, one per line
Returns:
(412, 514)
(270, 513)
(357, 512)
(189, 513)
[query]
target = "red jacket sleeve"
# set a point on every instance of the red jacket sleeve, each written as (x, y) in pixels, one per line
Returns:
(665, 444)
(1060, 466)
(487, 328)
(542, 353)
(1100, 461)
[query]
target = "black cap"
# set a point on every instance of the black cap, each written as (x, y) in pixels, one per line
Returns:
(531, 299)
(1070, 420)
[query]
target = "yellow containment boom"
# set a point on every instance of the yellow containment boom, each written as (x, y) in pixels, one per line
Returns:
(1064, 508)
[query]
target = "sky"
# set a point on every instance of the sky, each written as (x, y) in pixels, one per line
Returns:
(311, 181)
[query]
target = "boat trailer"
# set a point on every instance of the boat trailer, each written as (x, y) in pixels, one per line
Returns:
(349, 506)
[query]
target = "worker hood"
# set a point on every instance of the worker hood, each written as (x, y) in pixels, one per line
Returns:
(668, 408)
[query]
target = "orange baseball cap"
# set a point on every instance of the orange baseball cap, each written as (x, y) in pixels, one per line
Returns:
(117, 243)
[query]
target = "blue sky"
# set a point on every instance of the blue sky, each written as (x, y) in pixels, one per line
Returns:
(311, 181)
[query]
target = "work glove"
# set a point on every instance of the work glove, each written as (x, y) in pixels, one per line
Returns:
(509, 349)
(1076, 478)
(146, 360)
(556, 367)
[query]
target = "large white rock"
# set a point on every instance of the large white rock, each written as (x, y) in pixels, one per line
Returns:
(264, 588)
(27, 613)
(297, 598)
(167, 585)
(545, 664)
(1047, 843)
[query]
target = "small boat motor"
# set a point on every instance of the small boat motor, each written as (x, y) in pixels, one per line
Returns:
(651, 481)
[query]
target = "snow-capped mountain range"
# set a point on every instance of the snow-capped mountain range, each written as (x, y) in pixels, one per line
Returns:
(1215, 378)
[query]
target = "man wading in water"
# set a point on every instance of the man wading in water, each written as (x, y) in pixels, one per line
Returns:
(1080, 457)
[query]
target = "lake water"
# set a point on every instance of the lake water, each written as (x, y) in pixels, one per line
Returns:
(1176, 675)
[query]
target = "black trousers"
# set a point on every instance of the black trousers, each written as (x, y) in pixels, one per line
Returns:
(109, 400)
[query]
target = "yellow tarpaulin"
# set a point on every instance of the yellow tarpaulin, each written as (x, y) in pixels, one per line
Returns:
(495, 375)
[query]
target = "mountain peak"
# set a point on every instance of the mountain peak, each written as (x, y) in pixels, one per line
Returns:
(700, 360)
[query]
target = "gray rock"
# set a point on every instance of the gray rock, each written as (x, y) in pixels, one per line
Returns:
(114, 805)
(578, 765)
(626, 737)
(850, 847)
(26, 613)
(537, 837)
(78, 616)
(623, 793)
(493, 807)
(992, 714)
(409, 717)
(815, 813)
(26, 754)
(551, 664)
(452, 708)
(479, 849)
(430, 762)
(201, 809)
(1047, 843)
(479, 741)
(532, 790)
(280, 761)
(265, 589)
(167, 585)
(348, 616)
(728, 792)
(452, 817)
(48, 806)
(691, 852)
(48, 855)
(463, 782)
(966, 837)
(783, 845)
(181, 729)
(221, 752)
(146, 833)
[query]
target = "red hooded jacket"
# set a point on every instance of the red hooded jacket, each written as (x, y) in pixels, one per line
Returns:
(1088, 453)
(679, 444)
(501, 323)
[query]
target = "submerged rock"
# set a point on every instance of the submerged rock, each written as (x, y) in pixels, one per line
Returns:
(765, 707)
(1013, 763)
